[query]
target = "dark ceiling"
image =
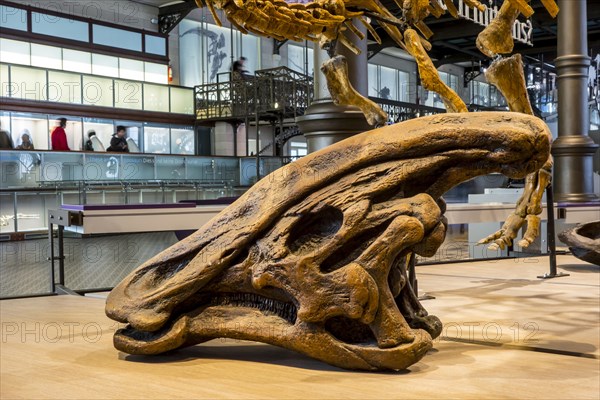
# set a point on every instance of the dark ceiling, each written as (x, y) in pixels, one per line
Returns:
(454, 40)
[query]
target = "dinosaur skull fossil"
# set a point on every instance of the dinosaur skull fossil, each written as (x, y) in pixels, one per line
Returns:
(313, 257)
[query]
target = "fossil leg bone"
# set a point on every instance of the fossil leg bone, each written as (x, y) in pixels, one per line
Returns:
(507, 75)
(496, 38)
(429, 75)
(342, 92)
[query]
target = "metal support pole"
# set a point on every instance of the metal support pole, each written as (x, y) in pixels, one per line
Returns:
(51, 258)
(412, 278)
(573, 151)
(551, 236)
(61, 256)
(60, 218)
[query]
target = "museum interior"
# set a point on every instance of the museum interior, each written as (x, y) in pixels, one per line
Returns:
(354, 198)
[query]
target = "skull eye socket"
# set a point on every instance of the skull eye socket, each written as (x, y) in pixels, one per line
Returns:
(314, 229)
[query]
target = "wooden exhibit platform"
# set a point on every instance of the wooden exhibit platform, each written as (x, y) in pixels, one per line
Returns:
(507, 334)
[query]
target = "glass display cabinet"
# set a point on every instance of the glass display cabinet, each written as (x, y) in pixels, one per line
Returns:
(34, 181)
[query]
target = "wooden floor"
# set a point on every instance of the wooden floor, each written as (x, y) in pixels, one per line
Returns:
(507, 335)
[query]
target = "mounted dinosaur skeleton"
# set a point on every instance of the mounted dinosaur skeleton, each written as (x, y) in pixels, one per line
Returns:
(327, 22)
(313, 257)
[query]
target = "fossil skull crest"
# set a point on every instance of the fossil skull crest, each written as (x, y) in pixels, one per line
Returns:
(313, 257)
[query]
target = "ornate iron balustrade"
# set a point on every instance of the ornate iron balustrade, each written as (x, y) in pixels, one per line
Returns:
(270, 94)
(399, 111)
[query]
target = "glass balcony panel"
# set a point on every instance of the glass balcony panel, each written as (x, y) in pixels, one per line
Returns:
(170, 168)
(97, 91)
(62, 166)
(156, 98)
(199, 168)
(226, 169)
(64, 87)
(28, 83)
(102, 167)
(128, 94)
(138, 167)
(182, 100)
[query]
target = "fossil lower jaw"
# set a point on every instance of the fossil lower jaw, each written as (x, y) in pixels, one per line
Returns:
(248, 323)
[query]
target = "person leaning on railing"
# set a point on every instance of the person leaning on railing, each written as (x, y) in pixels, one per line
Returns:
(118, 141)
(59, 136)
(5, 139)
(26, 142)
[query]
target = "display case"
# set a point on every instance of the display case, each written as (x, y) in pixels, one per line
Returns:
(146, 137)
(34, 181)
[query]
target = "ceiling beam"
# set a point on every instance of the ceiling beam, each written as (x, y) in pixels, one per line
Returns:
(170, 16)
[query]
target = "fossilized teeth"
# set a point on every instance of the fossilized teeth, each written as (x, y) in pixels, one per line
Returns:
(286, 311)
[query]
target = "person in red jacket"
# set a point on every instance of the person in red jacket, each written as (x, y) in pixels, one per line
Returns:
(59, 136)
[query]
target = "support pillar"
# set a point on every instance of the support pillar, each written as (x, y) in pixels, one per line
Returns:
(325, 123)
(573, 151)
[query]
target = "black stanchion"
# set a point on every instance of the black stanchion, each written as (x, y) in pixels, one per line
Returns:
(412, 278)
(61, 218)
(551, 237)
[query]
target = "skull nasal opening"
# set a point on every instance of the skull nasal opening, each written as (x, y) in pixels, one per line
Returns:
(314, 229)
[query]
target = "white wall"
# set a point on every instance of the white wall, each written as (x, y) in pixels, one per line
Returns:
(222, 139)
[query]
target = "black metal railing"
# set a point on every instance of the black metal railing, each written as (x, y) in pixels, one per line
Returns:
(399, 111)
(270, 93)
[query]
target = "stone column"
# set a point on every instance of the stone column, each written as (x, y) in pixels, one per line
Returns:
(573, 151)
(325, 123)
